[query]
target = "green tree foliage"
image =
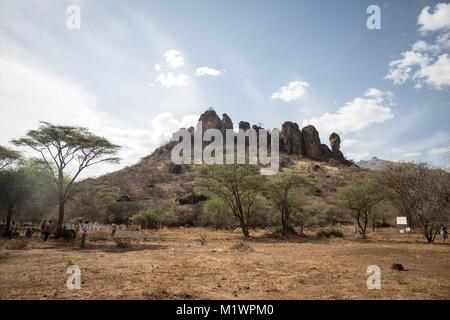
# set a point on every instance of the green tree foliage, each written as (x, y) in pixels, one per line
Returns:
(421, 192)
(217, 214)
(64, 148)
(153, 218)
(360, 197)
(7, 156)
(27, 187)
(285, 193)
(91, 202)
(237, 185)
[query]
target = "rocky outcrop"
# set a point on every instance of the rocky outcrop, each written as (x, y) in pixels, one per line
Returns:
(191, 198)
(244, 125)
(335, 142)
(291, 138)
(210, 120)
(312, 148)
(293, 141)
(226, 123)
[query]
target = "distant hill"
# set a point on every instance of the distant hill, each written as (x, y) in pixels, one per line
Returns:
(373, 164)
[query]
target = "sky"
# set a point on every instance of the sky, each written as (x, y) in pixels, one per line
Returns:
(135, 71)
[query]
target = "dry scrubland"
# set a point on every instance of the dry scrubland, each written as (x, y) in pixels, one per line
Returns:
(173, 264)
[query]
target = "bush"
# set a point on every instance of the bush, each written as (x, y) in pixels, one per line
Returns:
(328, 233)
(153, 218)
(242, 246)
(123, 242)
(16, 244)
(216, 214)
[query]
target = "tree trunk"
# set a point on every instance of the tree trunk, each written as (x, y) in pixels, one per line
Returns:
(60, 215)
(245, 230)
(9, 213)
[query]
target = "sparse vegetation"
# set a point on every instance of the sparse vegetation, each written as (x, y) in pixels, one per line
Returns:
(329, 232)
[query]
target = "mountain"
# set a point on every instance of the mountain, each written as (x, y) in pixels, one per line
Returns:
(373, 164)
(156, 181)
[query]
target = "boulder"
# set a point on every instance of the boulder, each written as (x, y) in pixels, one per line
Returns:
(244, 125)
(291, 138)
(191, 198)
(335, 142)
(210, 120)
(312, 147)
(227, 123)
(175, 168)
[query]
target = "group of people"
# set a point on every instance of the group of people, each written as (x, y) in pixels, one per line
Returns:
(9, 231)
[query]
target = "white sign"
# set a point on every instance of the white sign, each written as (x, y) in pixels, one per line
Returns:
(402, 220)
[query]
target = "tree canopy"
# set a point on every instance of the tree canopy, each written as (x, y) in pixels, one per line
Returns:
(67, 151)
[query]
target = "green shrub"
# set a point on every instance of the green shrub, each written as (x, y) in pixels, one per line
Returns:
(153, 218)
(216, 214)
(328, 233)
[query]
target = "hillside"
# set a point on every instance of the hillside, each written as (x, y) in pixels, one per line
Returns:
(156, 181)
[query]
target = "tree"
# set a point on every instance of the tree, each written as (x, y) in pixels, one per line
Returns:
(284, 192)
(360, 197)
(7, 156)
(65, 147)
(15, 189)
(238, 185)
(421, 191)
(91, 202)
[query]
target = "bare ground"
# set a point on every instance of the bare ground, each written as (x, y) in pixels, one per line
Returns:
(173, 264)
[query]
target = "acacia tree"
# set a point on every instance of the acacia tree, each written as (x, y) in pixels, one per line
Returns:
(63, 148)
(360, 197)
(7, 156)
(284, 191)
(422, 191)
(238, 185)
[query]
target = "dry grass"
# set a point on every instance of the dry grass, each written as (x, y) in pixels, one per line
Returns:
(172, 264)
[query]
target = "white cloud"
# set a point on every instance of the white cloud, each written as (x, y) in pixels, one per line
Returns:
(170, 80)
(433, 21)
(412, 154)
(438, 151)
(426, 63)
(356, 115)
(174, 59)
(438, 73)
(207, 71)
(157, 67)
(293, 91)
(29, 94)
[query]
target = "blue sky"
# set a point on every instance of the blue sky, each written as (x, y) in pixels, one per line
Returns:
(137, 70)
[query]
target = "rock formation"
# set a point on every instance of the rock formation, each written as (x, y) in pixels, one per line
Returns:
(335, 142)
(226, 123)
(244, 125)
(293, 141)
(210, 120)
(312, 148)
(291, 138)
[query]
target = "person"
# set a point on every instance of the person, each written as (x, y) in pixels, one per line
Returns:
(46, 231)
(113, 230)
(84, 230)
(43, 227)
(28, 232)
(2, 226)
(443, 231)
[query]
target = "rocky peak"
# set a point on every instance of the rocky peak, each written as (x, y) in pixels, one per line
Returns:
(312, 147)
(291, 138)
(335, 142)
(226, 123)
(244, 125)
(210, 120)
